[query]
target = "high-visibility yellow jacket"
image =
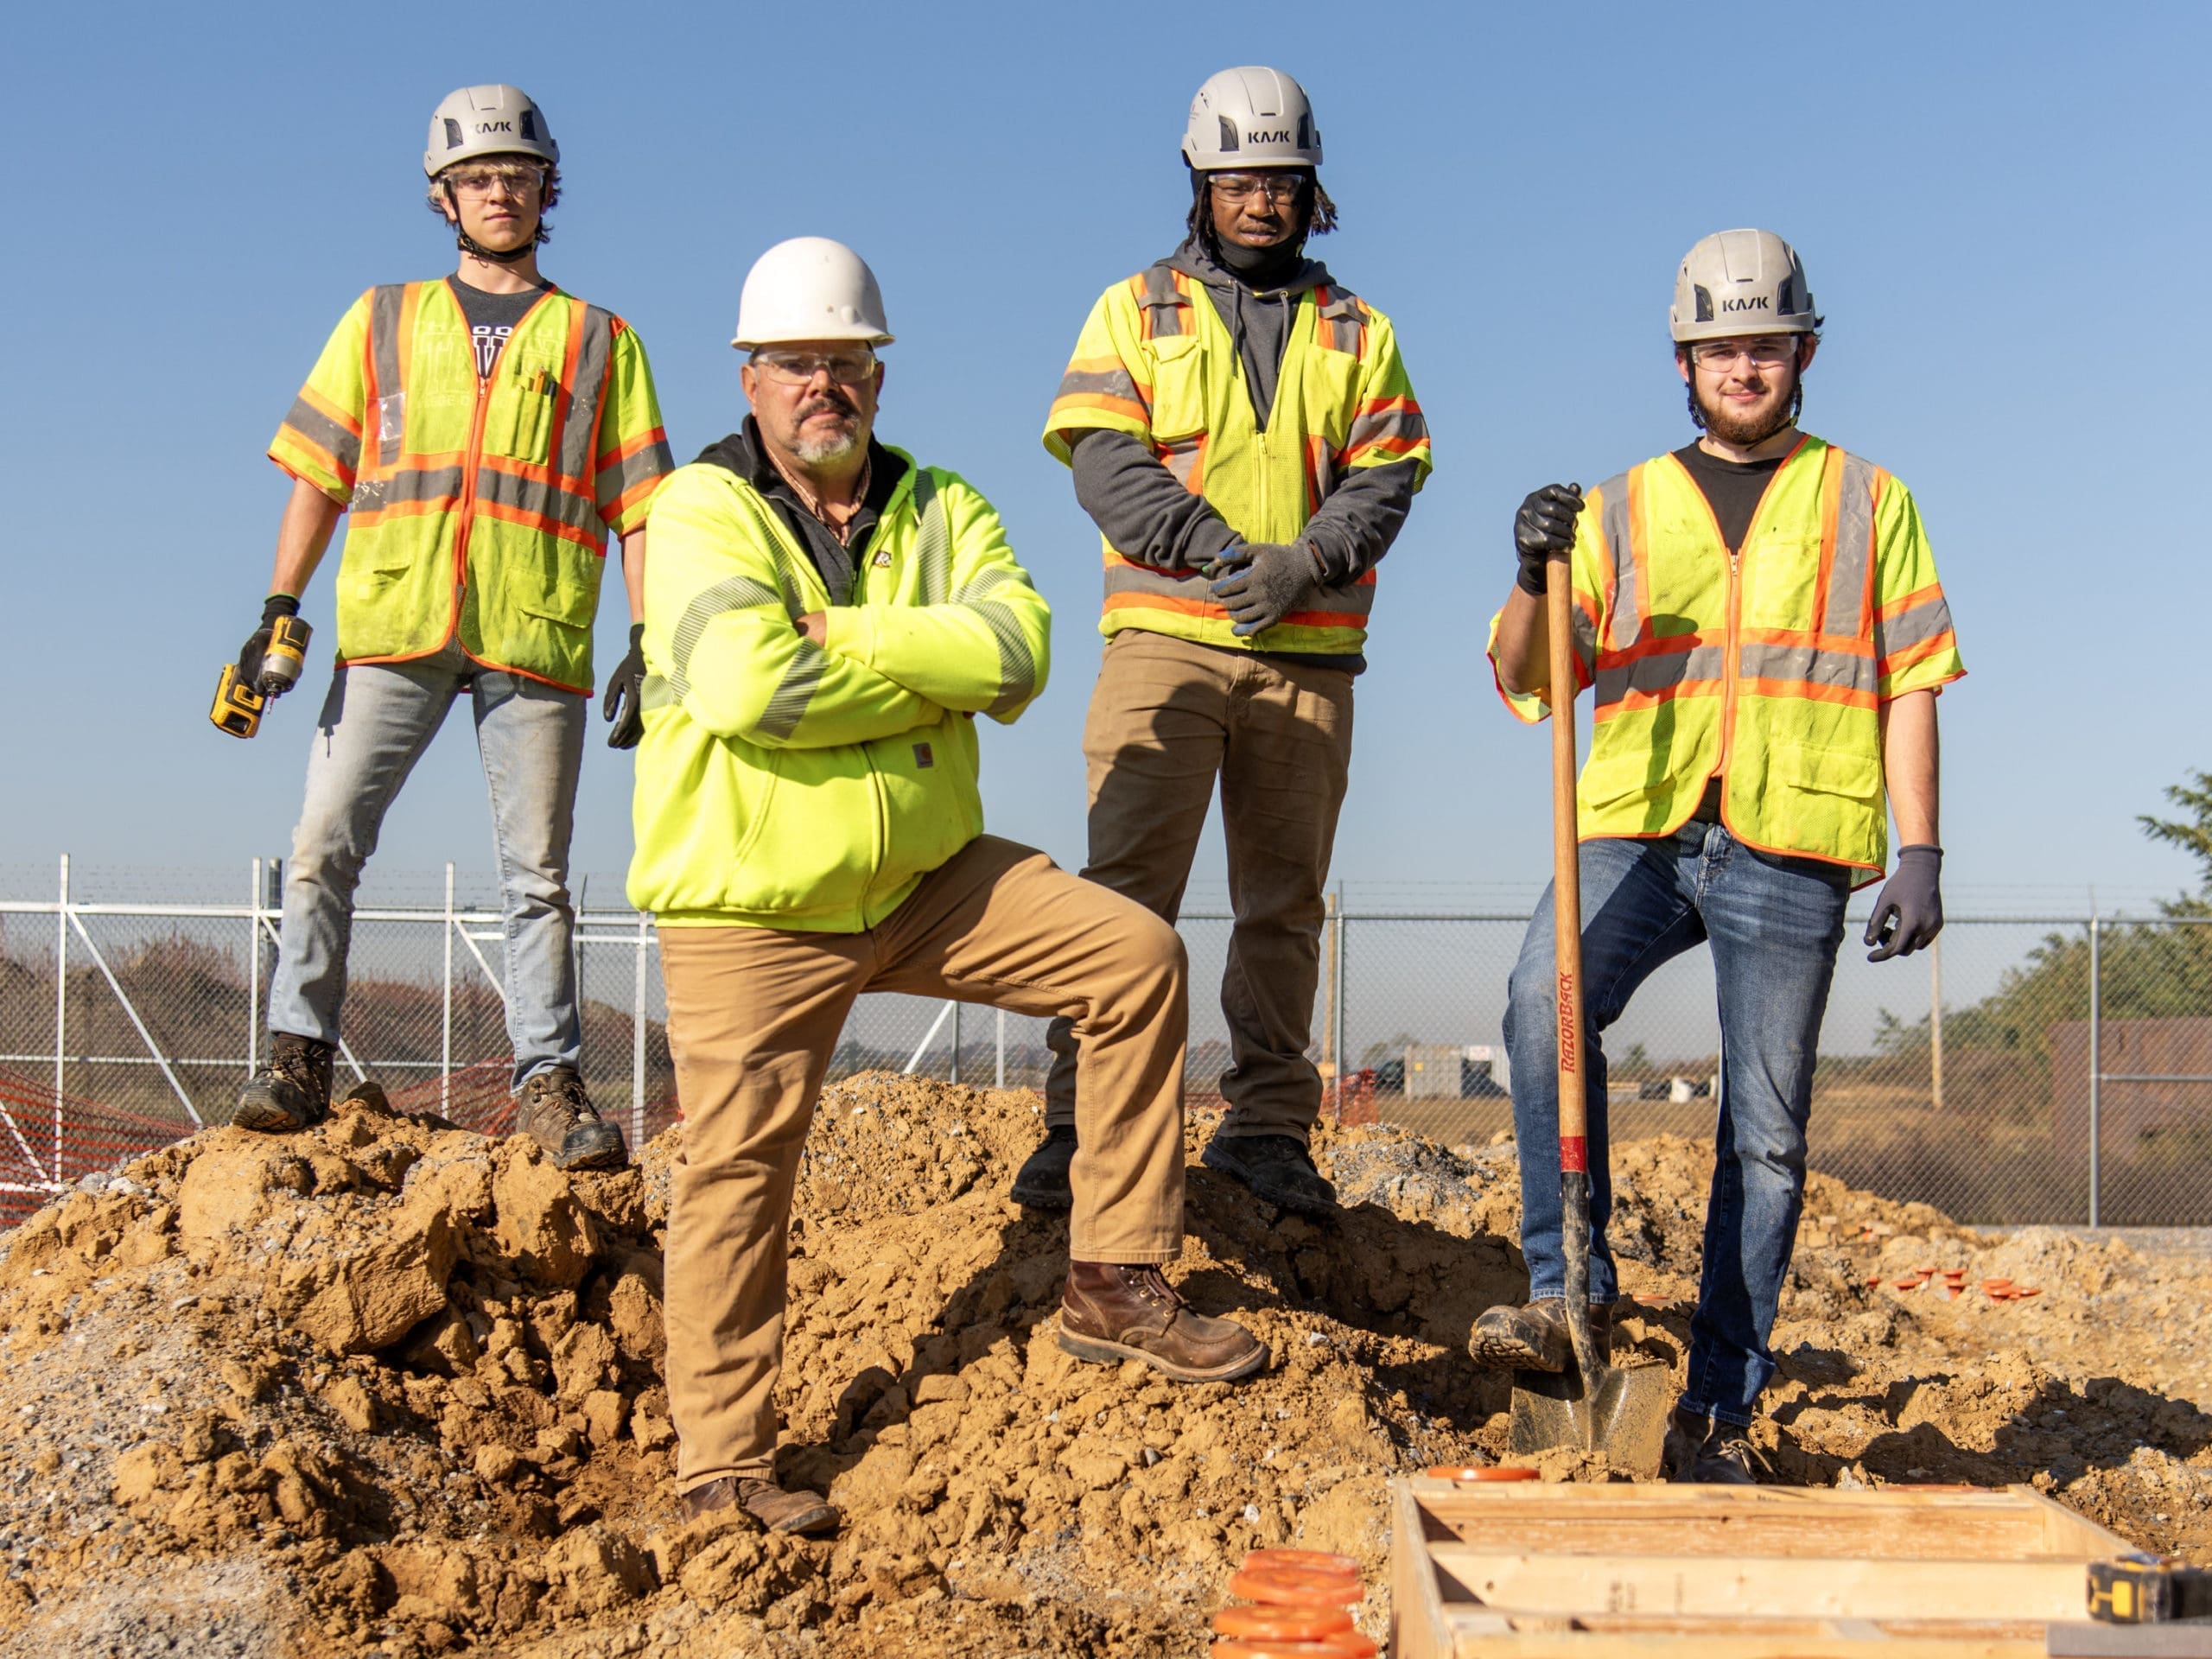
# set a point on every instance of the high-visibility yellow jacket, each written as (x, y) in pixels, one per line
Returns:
(783, 784)
(1768, 668)
(480, 510)
(1154, 360)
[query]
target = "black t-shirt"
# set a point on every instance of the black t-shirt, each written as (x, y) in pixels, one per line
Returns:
(1732, 488)
(491, 319)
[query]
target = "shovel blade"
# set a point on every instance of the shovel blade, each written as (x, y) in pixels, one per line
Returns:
(1623, 1414)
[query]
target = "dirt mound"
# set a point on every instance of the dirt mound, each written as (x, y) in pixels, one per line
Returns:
(390, 1386)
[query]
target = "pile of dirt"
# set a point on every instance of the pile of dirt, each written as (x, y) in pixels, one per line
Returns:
(392, 1387)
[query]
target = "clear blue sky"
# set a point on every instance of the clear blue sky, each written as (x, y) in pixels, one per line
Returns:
(2002, 211)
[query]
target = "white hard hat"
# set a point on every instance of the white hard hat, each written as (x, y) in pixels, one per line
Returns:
(1253, 117)
(1741, 283)
(809, 288)
(495, 120)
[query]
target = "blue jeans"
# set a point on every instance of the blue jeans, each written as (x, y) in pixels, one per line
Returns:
(375, 724)
(1775, 925)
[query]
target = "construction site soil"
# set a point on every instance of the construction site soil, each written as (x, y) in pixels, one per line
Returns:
(391, 1388)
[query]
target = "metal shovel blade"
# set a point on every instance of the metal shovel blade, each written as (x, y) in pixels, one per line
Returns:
(1623, 1414)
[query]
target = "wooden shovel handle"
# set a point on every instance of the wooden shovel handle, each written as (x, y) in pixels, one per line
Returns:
(1566, 868)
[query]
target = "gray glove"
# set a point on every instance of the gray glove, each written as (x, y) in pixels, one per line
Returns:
(1261, 582)
(1909, 910)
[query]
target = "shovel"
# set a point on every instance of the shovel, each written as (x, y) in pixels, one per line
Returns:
(1621, 1411)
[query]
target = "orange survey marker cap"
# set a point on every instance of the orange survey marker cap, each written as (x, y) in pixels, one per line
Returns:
(1260, 1646)
(1282, 1624)
(1481, 1472)
(1297, 1587)
(1310, 1560)
(1351, 1644)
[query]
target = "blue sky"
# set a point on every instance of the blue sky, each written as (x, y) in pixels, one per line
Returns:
(2001, 212)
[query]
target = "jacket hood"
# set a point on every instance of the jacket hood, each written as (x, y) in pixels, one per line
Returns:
(1193, 261)
(741, 453)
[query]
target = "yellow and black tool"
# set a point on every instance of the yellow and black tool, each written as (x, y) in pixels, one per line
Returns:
(238, 706)
(2146, 1589)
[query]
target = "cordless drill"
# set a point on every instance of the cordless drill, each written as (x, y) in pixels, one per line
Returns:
(238, 706)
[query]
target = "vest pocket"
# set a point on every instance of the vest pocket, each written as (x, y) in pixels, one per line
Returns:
(1178, 387)
(1852, 773)
(518, 416)
(1779, 579)
(1607, 780)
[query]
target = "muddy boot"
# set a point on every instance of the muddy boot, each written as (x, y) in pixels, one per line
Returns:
(553, 1111)
(765, 1501)
(1275, 1167)
(292, 1090)
(1111, 1313)
(1726, 1456)
(1042, 1182)
(1534, 1338)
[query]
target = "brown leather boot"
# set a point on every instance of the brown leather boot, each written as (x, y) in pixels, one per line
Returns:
(292, 1088)
(1534, 1338)
(765, 1501)
(1111, 1313)
(553, 1110)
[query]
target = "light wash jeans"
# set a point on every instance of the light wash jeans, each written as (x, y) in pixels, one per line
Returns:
(1775, 925)
(375, 724)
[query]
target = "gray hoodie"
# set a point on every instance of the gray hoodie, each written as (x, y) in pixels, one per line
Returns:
(1141, 507)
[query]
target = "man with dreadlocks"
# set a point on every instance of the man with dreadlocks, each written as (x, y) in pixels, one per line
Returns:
(1243, 432)
(488, 433)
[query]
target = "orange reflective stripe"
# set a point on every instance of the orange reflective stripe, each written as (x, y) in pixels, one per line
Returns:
(1932, 594)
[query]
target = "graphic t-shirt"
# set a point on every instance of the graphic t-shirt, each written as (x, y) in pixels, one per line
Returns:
(491, 319)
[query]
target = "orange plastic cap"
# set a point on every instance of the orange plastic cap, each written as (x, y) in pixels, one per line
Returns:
(1282, 1624)
(1481, 1471)
(1297, 1587)
(1308, 1561)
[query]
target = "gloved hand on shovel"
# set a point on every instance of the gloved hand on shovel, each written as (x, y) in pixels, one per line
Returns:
(1544, 530)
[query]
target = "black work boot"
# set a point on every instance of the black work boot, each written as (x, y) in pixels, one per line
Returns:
(1277, 1168)
(1535, 1337)
(553, 1110)
(291, 1090)
(1712, 1453)
(1111, 1313)
(1041, 1183)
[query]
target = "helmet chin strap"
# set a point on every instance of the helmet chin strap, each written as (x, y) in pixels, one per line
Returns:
(469, 245)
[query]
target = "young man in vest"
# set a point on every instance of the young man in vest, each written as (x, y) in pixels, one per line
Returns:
(825, 619)
(488, 433)
(1243, 432)
(1759, 615)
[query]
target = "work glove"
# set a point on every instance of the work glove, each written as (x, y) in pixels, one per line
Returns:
(257, 645)
(1544, 530)
(1909, 910)
(624, 703)
(1261, 582)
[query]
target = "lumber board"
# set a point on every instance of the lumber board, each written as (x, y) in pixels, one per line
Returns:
(1417, 1626)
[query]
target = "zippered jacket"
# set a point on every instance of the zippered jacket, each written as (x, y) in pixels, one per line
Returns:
(478, 508)
(1154, 360)
(1768, 668)
(783, 784)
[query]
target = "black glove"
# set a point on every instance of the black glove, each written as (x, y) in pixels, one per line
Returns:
(1544, 530)
(626, 687)
(1909, 910)
(1263, 581)
(257, 645)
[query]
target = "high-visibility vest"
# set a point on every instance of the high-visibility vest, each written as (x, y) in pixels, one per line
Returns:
(1155, 361)
(1768, 668)
(783, 784)
(479, 509)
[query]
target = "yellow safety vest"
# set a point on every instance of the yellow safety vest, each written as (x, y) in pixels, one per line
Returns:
(479, 509)
(1154, 361)
(1768, 668)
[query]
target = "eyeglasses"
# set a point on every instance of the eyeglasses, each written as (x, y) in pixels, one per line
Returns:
(1280, 189)
(847, 368)
(483, 180)
(1768, 352)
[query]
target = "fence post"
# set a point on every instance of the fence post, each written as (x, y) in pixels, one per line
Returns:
(2097, 1065)
(999, 1076)
(445, 1022)
(60, 1008)
(637, 1041)
(1337, 994)
(1936, 1019)
(956, 1043)
(253, 973)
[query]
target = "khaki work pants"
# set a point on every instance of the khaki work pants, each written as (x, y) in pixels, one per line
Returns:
(1167, 717)
(753, 1014)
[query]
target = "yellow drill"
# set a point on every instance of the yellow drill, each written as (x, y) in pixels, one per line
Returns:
(238, 706)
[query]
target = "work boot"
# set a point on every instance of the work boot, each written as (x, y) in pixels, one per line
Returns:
(765, 1501)
(1535, 1337)
(553, 1111)
(1276, 1167)
(1042, 1182)
(1714, 1454)
(292, 1090)
(1112, 1313)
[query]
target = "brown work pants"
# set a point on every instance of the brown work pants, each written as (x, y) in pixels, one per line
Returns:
(1167, 717)
(753, 1014)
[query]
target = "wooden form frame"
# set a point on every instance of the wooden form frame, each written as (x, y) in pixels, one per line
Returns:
(1526, 1570)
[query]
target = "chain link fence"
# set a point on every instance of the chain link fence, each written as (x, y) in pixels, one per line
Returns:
(2045, 1069)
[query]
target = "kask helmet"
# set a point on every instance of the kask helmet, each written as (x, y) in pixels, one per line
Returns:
(1253, 117)
(494, 120)
(1738, 283)
(809, 288)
